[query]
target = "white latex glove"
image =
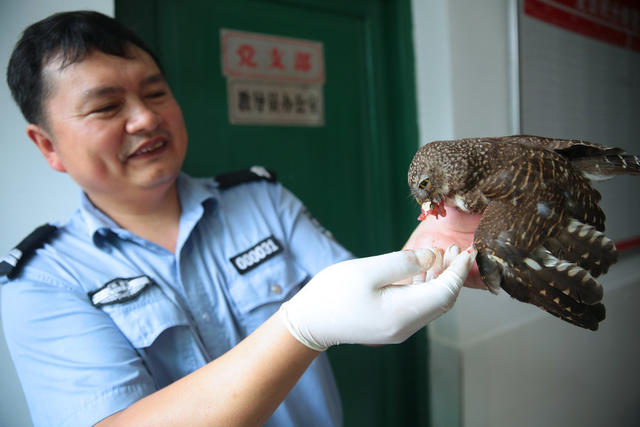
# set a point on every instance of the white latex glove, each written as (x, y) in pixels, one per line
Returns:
(354, 301)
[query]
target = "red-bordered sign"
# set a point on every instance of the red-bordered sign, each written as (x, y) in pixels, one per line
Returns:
(266, 57)
(613, 21)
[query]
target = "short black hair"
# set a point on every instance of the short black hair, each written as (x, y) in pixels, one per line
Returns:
(70, 36)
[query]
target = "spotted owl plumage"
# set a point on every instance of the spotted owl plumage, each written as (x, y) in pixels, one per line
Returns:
(541, 235)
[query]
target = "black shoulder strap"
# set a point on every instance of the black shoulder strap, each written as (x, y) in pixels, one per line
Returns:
(11, 263)
(255, 173)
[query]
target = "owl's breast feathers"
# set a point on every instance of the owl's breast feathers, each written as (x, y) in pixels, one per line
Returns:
(541, 234)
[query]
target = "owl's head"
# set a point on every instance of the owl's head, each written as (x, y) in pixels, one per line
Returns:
(428, 180)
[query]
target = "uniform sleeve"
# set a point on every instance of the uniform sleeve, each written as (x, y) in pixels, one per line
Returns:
(311, 245)
(75, 366)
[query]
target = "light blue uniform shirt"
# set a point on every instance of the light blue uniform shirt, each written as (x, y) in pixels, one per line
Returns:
(79, 363)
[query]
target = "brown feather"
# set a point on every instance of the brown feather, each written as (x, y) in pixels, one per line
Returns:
(541, 233)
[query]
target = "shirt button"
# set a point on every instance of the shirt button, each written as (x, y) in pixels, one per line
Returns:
(276, 289)
(205, 318)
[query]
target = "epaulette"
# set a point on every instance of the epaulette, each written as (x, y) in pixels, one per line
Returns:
(11, 263)
(254, 173)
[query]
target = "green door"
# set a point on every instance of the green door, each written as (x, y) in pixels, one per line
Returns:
(349, 171)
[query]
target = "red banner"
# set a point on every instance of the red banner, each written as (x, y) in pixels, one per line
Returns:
(612, 21)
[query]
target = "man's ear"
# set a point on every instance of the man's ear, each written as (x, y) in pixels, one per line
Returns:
(44, 142)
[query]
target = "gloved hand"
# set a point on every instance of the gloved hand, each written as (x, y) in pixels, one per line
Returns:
(354, 301)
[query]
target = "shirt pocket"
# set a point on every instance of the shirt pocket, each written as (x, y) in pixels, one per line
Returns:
(258, 293)
(144, 318)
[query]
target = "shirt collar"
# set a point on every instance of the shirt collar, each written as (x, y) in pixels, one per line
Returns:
(94, 218)
(192, 193)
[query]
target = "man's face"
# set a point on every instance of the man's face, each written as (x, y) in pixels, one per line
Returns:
(114, 125)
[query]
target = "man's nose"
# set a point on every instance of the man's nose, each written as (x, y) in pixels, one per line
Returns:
(142, 118)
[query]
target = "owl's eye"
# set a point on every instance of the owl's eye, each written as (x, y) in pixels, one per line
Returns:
(424, 183)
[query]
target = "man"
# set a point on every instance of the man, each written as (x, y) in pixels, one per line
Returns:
(161, 300)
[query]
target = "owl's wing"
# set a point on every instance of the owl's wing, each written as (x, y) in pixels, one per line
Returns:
(519, 244)
(598, 161)
(558, 144)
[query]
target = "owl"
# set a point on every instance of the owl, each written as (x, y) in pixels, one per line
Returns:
(541, 234)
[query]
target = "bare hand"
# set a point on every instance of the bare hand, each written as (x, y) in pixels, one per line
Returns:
(457, 227)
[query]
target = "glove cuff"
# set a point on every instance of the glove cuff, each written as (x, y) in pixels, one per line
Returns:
(297, 333)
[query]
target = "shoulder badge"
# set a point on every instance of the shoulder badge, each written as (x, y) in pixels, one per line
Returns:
(255, 173)
(11, 263)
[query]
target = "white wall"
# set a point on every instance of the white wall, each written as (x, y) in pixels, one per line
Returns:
(495, 361)
(32, 194)
(577, 87)
(464, 70)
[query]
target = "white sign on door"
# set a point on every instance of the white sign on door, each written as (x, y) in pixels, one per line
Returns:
(273, 80)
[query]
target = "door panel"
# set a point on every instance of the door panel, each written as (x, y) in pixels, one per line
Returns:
(350, 173)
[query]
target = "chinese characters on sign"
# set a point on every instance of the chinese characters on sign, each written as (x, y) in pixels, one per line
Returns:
(273, 80)
(265, 102)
